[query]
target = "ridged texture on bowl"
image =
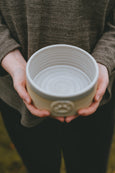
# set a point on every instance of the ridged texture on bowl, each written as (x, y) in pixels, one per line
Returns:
(62, 55)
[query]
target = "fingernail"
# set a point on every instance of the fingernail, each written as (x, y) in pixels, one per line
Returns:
(97, 97)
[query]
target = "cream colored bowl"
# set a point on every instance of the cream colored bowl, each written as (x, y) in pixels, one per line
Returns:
(62, 79)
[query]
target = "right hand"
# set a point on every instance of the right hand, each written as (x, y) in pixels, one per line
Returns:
(15, 65)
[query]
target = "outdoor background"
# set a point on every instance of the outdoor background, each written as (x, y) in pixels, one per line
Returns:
(10, 161)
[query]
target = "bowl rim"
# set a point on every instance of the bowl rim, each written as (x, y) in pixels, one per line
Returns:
(84, 92)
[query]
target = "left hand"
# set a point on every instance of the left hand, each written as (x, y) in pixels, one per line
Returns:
(102, 84)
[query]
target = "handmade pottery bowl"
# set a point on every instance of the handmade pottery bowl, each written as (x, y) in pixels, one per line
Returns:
(62, 79)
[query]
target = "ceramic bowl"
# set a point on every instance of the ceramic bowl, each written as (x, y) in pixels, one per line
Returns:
(62, 79)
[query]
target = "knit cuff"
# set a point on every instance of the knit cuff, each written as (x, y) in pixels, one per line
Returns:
(7, 47)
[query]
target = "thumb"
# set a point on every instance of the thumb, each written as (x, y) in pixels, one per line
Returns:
(100, 91)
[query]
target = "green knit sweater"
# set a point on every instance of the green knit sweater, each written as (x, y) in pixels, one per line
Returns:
(32, 24)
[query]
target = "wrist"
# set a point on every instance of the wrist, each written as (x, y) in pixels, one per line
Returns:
(103, 71)
(13, 61)
(104, 68)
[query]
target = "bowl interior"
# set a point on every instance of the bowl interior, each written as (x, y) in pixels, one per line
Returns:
(62, 70)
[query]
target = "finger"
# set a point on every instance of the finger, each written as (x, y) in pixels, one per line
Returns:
(61, 119)
(100, 91)
(101, 88)
(21, 90)
(37, 112)
(90, 110)
(70, 118)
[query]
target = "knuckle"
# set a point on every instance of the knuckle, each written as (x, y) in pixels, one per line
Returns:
(37, 114)
(31, 111)
(21, 95)
(102, 93)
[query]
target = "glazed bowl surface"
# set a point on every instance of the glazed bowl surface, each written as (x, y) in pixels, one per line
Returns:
(62, 79)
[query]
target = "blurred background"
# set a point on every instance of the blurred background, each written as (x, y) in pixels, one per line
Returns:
(10, 162)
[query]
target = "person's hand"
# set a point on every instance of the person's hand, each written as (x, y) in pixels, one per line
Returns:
(19, 79)
(103, 81)
(15, 65)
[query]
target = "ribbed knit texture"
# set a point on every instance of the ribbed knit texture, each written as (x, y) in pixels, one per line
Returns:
(32, 24)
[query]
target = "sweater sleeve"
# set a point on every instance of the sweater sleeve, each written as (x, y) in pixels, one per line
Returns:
(7, 43)
(104, 51)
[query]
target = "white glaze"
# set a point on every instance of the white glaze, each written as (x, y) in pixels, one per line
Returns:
(62, 80)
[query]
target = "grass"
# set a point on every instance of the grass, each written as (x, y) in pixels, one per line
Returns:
(10, 162)
(111, 164)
